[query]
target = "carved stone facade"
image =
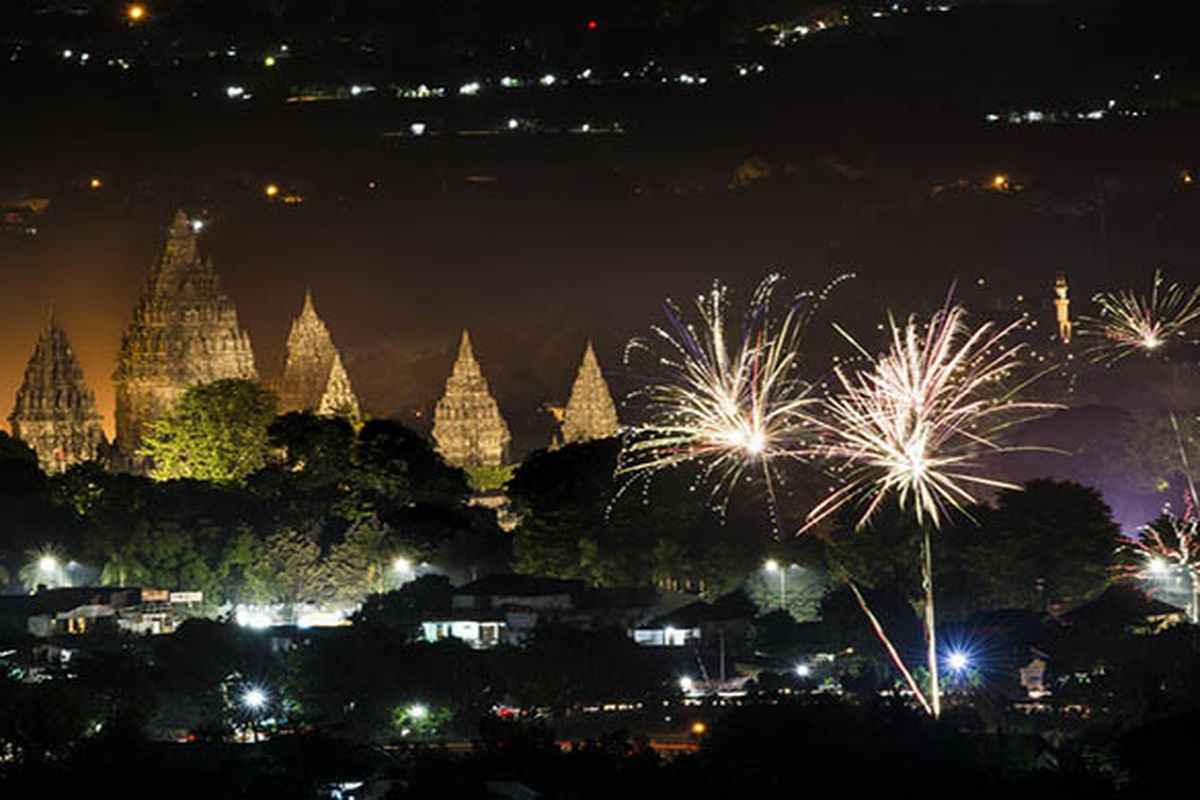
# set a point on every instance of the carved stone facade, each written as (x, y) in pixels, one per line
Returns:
(467, 425)
(314, 377)
(184, 332)
(590, 413)
(55, 412)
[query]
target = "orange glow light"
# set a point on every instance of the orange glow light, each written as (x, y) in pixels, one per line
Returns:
(271, 190)
(1000, 182)
(136, 12)
(698, 728)
(95, 183)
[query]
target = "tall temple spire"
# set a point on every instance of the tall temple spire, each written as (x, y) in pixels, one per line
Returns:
(184, 332)
(55, 412)
(467, 425)
(590, 413)
(314, 377)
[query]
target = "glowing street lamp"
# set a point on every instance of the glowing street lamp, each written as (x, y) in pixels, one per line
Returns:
(271, 190)
(958, 661)
(135, 12)
(401, 566)
(417, 711)
(254, 699)
(48, 565)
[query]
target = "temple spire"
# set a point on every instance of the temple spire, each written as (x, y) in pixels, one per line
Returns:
(590, 413)
(314, 376)
(184, 332)
(467, 425)
(55, 411)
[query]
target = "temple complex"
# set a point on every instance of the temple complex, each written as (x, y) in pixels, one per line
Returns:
(184, 332)
(467, 426)
(590, 413)
(55, 412)
(314, 377)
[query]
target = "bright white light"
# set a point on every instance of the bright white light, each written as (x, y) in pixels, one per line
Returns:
(48, 565)
(771, 565)
(513, 124)
(254, 698)
(470, 89)
(417, 711)
(234, 91)
(686, 78)
(1157, 567)
(958, 660)
(509, 82)
(417, 128)
(252, 617)
(686, 683)
(803, 670)
(587, 73)
(356, 90)
(402, 565)
(197, 225)
(547, 80)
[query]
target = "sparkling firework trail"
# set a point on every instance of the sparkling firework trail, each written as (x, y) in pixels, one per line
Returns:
(917, 420)
(731, 402)
(1130, 322)
(914, 423)
(1168, 549)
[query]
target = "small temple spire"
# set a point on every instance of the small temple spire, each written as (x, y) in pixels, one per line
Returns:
(55, 411)
(590, 412)
(314, 377)
(467, 425)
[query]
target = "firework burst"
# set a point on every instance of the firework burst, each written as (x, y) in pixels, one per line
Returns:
(916, 422)
(1130, 322)
(729, 399)
(1167, 550)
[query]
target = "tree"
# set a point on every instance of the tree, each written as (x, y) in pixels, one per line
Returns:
(290, 571)
(362, 564)
(1050, 544)
(215, 432)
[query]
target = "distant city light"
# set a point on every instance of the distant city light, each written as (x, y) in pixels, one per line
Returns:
(271, 190)
(699, 728)
(402, 565)
(513, 124)
(95, 183)
(269, 61)
(1000, 182)
(417, 128)
(958, 661)
(470, 89)
(233, 92)
(67, 53)
(592, 24)
(197, 225)
(136, 12)
(803, 670)
(771, 565)
(686, 683)
(254, 698)
(418, 711)
(509, 82)
(547, 80)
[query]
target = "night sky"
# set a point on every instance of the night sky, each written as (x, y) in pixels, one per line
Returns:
(536, 241)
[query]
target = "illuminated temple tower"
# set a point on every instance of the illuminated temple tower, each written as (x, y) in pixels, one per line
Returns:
(184, 332)
(590, 413)
(55, 412)
(1062, 308)
(467, 425)
(314, 378)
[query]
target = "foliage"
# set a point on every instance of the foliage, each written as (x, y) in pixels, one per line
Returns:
(215, 432)
(487, 478)
(290, 572)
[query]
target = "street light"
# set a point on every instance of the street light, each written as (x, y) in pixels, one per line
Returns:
(417, 711)
(254, 699)
(958, 661)
(48, 565)
(401, 565)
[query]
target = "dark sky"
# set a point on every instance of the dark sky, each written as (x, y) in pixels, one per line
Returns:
(538, 241)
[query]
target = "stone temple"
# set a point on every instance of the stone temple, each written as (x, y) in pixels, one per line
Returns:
(55, 412)
(314, 378)
(184, 332)
(590, 413)
(467, 425)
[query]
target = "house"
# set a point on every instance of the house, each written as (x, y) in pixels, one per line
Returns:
(692, 623)
(80, 610)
